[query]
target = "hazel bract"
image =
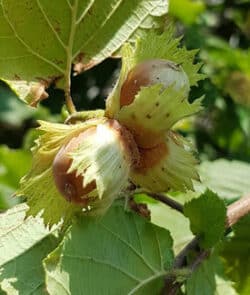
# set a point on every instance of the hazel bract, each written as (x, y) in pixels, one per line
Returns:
(69, 184)
(92, 168)
(149, 99)
(154, 111)
(77, 168)
(169, 165)
(151, 94)
(154, 47)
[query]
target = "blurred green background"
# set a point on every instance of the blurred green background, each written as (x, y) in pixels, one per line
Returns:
(221, 29)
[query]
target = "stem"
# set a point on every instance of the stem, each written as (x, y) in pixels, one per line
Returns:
(235, 212)
(171, 288)
(68, 100)
(167, 201)
(199, 259)
(180, 259)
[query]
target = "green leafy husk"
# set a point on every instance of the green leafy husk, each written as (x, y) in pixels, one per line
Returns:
(38, 185)
(153, 46)
(175, 171)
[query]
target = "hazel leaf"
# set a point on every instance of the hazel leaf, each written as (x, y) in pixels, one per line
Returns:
(24, 243)
(207, 215)
(229, 179)
(127, 254)
(210, 278)
(166, 217)
(66, 32)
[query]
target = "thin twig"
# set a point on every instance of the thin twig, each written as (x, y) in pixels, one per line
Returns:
(199, 259)
(167, 201)
(180, 259)
(172, 287)
(235, 212)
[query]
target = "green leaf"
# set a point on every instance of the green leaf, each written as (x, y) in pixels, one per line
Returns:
(66, 32)
(120, 253)
(207, 216)
(229, 179)
(173, 221)
(168, 218)
(209, 279)
(236, 256)
(23, 243)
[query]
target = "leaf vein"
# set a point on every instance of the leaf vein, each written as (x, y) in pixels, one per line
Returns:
(69, 4)
(85, 12)
(115, 8)
(34, 290)
(131, 247)
(159, 248)
(15, 57)
(33, 52)
(137, 232)
(70, 46)
(141, 21)
(7, 37)
(105, 263)
(149, 11)
(146, 281)
(50, 24)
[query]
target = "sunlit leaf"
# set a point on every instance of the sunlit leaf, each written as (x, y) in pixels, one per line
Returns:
(23, 245)
(43, 38)
(166, 217)
(229, 179)
(120, 253)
